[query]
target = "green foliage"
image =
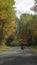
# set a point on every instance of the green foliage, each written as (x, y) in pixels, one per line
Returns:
(27, 27)
(23, 25)
(34, 47)
(7, 15)
(34, 8)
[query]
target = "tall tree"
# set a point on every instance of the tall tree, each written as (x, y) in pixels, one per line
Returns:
(23, 26)
(34, 8)
(7, 15)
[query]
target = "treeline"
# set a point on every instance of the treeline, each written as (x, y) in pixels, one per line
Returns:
(7, 20)
(27, 29)
(12, 28)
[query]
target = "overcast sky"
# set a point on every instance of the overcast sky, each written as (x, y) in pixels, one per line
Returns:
(23, 6)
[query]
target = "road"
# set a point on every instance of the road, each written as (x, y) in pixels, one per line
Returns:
(16, 56)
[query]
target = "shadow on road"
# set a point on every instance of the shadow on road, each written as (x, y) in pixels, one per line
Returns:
(19, 60)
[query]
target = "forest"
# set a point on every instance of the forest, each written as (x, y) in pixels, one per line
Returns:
(14, 29)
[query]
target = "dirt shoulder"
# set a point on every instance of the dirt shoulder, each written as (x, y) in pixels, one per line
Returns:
(34, 51)
(4, 48)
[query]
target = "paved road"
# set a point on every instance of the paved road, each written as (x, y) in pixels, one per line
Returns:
(16, 56)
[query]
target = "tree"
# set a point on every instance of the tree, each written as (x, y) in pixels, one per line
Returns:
(7, 15)
(34, 8)
(29, 38)
(23, 26)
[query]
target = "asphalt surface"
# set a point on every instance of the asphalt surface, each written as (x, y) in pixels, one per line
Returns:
(16, 56)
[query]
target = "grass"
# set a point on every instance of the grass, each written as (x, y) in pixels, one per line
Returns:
(34, 47)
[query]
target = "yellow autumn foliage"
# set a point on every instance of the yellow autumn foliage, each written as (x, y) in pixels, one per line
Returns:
(3, 14)
(7, 17)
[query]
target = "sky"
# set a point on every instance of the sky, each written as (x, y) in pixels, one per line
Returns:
(23, 6)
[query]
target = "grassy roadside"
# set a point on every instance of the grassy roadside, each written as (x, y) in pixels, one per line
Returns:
(34, 49)
(4, 48)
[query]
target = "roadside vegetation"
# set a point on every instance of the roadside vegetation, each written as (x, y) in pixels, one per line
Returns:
(34, 47)
(13, 29)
